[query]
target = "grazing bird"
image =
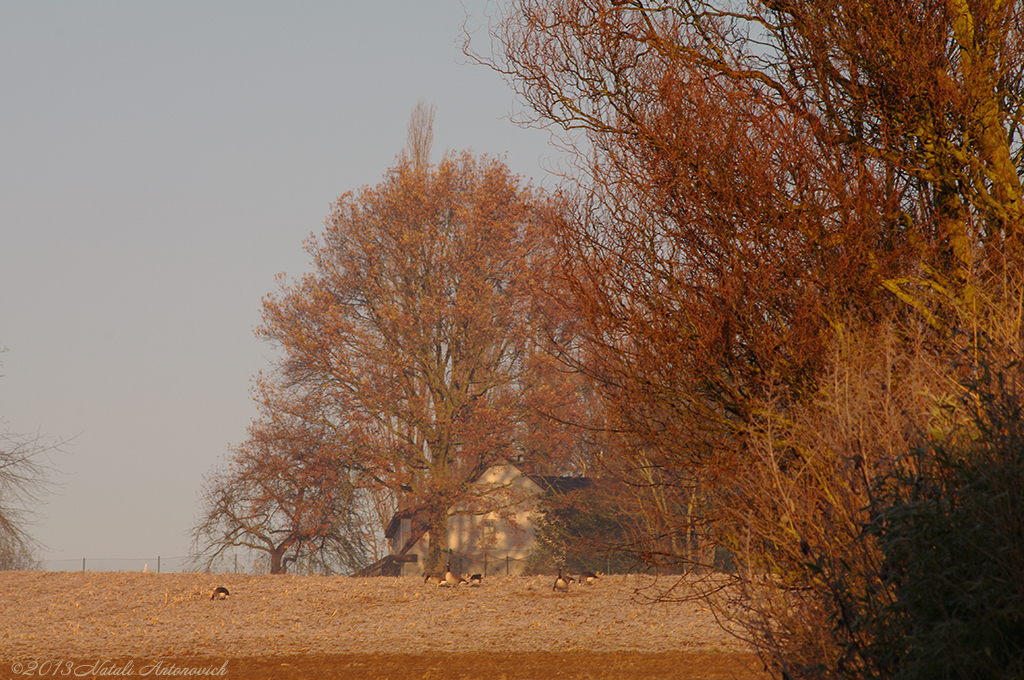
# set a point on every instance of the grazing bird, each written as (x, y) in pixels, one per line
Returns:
(433, 579)
(219, 593)
(476, 580)
(561, 584)
(450, 578)
(588, 577)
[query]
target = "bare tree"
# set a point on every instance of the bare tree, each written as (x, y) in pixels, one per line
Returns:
(420, 136)
(25, 475)
(285, 495)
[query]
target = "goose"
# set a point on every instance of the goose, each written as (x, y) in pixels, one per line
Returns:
(219, 593)
(561, 584)
(450, 578)
(476, 580)
(588, 577)
(433, 579)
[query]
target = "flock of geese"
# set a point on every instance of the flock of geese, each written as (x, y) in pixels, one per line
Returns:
(450, 580)
(562, 582)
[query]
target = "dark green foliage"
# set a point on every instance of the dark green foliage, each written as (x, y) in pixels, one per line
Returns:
(951, 529)
(583, 530)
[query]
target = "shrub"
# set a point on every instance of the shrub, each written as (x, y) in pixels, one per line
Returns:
(950, 526)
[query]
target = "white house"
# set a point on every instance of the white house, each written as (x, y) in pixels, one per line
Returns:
(493, 536)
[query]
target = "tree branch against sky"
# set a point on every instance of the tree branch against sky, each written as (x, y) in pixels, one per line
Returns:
(25, 476)
(748, 173)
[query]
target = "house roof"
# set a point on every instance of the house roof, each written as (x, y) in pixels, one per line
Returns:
(400, 514)
(552, 483)
(560, 483)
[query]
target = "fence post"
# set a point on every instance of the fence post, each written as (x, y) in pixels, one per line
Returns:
(158, 564)
(83, 564)
(506, 565)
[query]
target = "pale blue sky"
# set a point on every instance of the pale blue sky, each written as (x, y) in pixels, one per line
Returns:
(159, 164)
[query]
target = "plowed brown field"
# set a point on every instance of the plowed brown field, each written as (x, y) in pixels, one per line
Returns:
(119, 624)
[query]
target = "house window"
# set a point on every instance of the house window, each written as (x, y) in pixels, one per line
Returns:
(488, 532)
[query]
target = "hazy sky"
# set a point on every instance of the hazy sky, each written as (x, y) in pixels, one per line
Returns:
(159, 164)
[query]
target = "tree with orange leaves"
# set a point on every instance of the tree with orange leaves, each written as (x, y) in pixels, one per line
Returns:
(413, 357)
(749, 172)
(412, 350)
(798, 154)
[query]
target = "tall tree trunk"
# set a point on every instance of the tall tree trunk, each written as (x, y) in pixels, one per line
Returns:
(437, 553)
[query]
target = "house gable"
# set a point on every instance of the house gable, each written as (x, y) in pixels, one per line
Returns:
(497, 533)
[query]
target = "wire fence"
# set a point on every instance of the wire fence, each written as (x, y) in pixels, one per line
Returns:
(487, 563)
(239, 564)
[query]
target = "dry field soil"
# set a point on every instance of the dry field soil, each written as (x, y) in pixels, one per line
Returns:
(124, 624)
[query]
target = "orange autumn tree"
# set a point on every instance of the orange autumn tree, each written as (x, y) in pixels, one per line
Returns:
(749, 173)
(412, 348)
